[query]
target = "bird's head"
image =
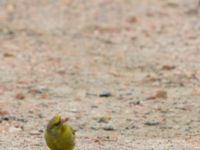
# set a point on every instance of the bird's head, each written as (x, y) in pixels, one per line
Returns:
(56, 122)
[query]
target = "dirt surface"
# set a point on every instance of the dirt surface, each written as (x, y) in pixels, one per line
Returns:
(126, 73)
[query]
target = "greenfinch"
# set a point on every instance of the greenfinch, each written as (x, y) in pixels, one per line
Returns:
(59, 135)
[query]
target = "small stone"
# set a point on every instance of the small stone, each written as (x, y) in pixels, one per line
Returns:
(35, 132)
(138, 102)
(105, 94)
(108, 127)
(94, 106)
(40, 116)
(8, 55)
(8, 118)
(5, 118)
(38, 90)
(152, 123)
(168, 67)
(20, 120)
(104, 119)
(40, 130)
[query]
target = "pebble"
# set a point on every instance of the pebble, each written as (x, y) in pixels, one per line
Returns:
(152, 123)
(36, 132)
(7, 118)
(104, 119)
(105, 94)
(108, 127)
(138, 102)
(38, 89)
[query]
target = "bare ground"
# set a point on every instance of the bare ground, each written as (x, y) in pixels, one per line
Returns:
(66, 56)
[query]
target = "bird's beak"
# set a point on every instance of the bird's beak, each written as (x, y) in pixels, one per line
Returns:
(64, 120)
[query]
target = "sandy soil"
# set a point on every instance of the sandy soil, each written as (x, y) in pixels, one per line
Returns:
(126, 73)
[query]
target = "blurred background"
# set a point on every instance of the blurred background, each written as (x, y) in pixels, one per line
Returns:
(126, 72)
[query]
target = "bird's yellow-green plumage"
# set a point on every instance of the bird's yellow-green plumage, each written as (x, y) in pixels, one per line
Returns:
(59, 135)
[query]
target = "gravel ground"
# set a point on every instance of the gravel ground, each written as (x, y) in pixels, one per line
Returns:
(126, 73)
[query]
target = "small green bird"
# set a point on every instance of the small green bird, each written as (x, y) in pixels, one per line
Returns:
(59, 135)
